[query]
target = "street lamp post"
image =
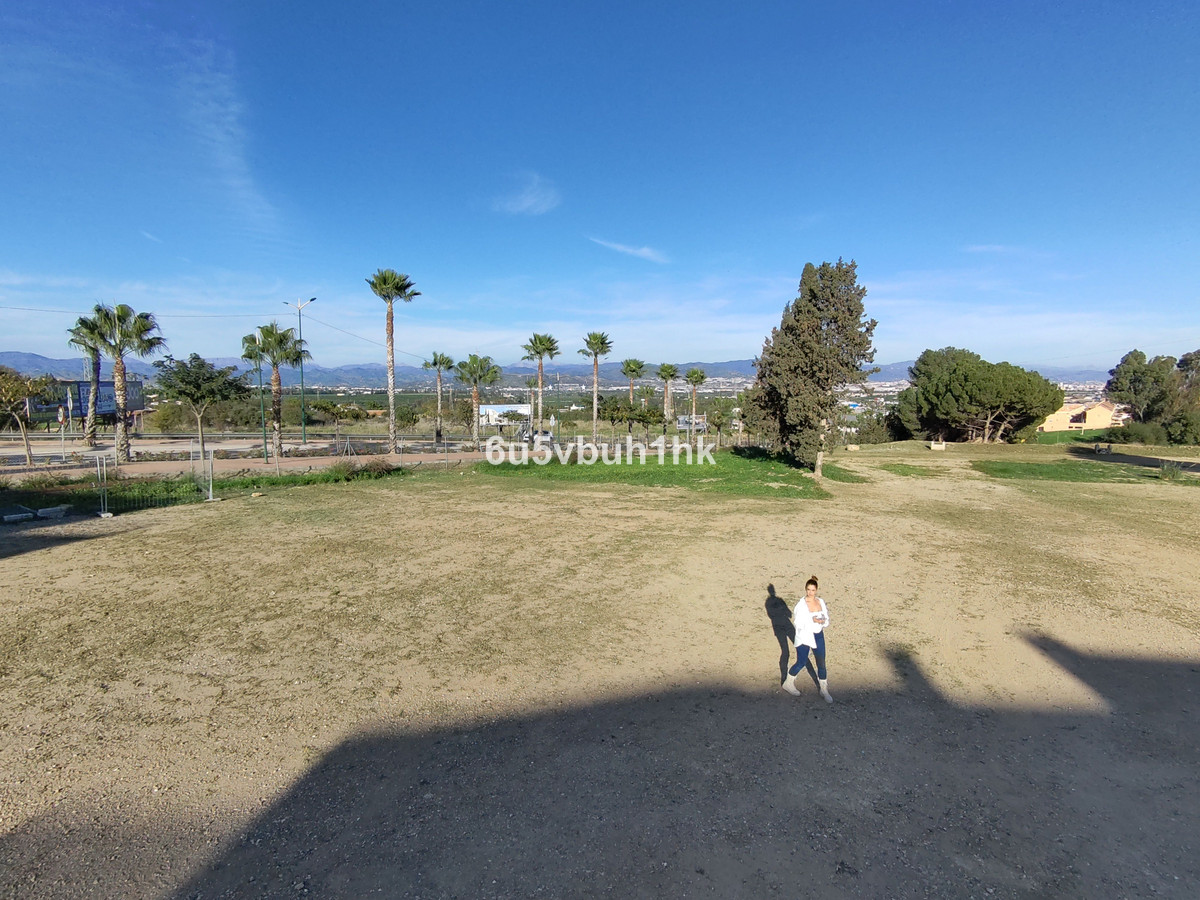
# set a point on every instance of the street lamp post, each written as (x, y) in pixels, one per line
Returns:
(300, 319)
(262, 407)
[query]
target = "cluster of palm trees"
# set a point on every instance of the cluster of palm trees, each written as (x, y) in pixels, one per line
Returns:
(118, 331)
(115, 332)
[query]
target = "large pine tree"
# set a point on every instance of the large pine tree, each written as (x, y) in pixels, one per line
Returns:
(820, 346)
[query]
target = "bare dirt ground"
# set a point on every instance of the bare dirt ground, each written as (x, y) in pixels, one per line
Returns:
(454, 686)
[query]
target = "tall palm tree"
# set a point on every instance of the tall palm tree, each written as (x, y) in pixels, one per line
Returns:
(476, 371)
(86, 337)
(667, 373)
(121, 332)
(252, 352)
(596, 344)
(694, 377)
(539, 347)
(439, 363)
(279, 347)
(632, 369)
(390, 285)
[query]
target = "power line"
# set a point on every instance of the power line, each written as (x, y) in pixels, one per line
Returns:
(368, 340)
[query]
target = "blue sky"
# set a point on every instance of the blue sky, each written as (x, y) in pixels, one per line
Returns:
(1019, 179)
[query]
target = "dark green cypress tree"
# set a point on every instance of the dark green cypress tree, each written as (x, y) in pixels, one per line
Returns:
(820, 346)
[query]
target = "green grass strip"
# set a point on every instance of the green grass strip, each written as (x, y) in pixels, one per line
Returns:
(731, 474)
(845, 476)
(1079, 471)
(911, 471)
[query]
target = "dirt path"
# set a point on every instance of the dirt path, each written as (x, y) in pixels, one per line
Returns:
(450, 686)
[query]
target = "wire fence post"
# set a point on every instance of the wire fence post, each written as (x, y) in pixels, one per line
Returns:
(102, 478)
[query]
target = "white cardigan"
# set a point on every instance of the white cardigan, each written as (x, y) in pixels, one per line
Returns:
(809, 624)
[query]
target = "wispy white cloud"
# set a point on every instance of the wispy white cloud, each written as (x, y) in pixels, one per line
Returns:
(647, 253)
(148, 236)
(533, 196)
(214, 113)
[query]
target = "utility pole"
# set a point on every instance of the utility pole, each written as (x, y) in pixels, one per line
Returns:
(299, 307)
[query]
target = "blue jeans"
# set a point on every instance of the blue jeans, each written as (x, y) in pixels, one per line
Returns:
(818, 654)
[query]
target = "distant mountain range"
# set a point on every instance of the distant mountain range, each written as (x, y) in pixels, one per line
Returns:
(374, 375)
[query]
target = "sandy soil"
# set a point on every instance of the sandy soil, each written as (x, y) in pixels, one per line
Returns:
(449, 686)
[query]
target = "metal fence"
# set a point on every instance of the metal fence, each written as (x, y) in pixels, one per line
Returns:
(49, 495)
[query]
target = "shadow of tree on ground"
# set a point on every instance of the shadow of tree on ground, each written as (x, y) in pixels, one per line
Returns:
(718, 792)
(725, 794)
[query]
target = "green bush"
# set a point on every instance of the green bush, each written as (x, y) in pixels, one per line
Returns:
(1184, 428)
(1170, 471)
(1137, 433)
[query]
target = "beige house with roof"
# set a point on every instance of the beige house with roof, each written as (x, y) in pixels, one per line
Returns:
(1084, 416)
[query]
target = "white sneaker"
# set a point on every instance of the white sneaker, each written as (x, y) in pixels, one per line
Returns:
(789, 685)
(824, 686)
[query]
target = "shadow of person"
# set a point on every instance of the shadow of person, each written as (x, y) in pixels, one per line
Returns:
(781, 625)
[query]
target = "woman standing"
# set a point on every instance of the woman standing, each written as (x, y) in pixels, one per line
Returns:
(810, 618)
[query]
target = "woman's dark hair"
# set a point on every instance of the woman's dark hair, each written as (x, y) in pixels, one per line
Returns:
(812, 580)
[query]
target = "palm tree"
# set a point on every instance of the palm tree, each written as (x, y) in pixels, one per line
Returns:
(632, 369)
(667, 373)
(596, 344)
(389, 285)
(539, 347)
(279, 347)
(694, 377)
(252, 352)
(476, 370)
(439, 363)
(85, 336)
(121, 332)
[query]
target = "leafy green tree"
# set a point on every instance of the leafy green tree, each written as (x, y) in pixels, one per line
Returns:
(667, 373)
(389, 286)
(596, 344)
(958, 395)
(199, 384)
(616, 410)
(407, 416)
(476, 371)
(649, 417)
(278, 347)
(438, 363)
(1145, 386)
(872, 428)
(121, 332)
(720, 415)
(460, 413)
(540, 347)
(17, 391)
(820, 346)
(86, 336)
(338, 413)
(695, 377)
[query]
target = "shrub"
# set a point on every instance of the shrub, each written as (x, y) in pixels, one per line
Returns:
(1184, 428)
(1137, 433)
(1170, 471)
(342, 470)
(376, 468)
(42, 480)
